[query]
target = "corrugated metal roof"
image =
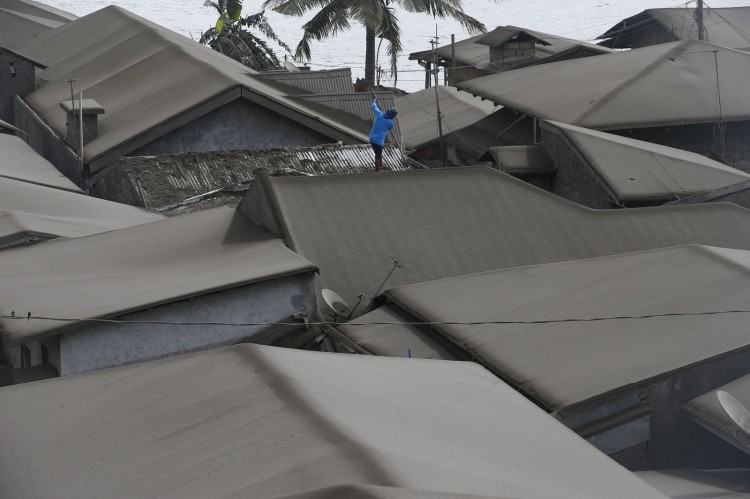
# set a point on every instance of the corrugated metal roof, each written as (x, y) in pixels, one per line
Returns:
(169, 179)
(358, 104)
(327, 81)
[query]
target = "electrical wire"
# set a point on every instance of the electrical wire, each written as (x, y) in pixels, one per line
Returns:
(383, 323)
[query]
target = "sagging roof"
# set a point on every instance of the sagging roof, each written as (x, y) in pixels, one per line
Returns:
(30, 212)
(475, 51)
(21, 162)
(150, 80)
(23, 19)
(267, 422)
(447, 222)
(110, 274)
(638, 171)
(583, 360)
(661, 85)
(724, 412)
(728, 27)
(418, 115)
(167, 179)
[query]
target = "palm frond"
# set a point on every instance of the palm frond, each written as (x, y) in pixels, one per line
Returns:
(294, 7)
(471, 25)
(390, 30)
(368, 12)
(260, 22)
(332, 19)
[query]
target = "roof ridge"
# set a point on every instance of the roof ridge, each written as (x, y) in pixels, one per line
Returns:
(675, 51)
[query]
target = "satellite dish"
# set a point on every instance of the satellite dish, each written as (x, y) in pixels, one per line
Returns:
(336, 303)
(735, 410)
(291, 67)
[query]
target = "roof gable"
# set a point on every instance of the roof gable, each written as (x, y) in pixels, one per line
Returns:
(145, 76)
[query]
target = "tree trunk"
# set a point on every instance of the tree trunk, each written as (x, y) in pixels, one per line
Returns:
(370, 56)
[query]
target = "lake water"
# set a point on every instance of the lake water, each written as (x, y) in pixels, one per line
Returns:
(581, 19)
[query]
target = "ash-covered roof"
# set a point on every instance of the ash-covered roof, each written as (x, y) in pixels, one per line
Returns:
(110, 274)
(638, 171)
(475, 51)
(729, 27)
(21, 162)
(581, 360)
(146, 77)
(326, 81)
(30, 212)
(418, 115)
(447, 222)
(661, 85)
(167, 180)
(263, 422)
(24, 19)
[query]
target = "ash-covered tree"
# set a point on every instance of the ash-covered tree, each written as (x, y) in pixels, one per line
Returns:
(235, 36)
(377, 16)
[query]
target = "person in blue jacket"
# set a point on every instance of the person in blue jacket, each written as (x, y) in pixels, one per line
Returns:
(383, 123)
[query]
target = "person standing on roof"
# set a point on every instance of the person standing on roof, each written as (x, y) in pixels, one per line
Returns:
(383, 123)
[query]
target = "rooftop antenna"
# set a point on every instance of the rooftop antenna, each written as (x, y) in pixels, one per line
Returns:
(735, 410)
(382, 285)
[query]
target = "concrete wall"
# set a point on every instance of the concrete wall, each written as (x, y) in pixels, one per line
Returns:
(702, 139)
(240, 124)
(10, 86)
(102, 345)
(46, 142)
(574, 179)
(510, 54)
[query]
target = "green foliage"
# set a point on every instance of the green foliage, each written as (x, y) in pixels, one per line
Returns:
(377, 16)
(234, 36)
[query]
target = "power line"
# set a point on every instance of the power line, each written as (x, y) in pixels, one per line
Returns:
(382, 323)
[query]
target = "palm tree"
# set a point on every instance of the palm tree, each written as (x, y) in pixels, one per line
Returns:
(231, 36)
(377, 16)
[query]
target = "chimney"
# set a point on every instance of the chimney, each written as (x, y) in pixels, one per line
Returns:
(91, 109)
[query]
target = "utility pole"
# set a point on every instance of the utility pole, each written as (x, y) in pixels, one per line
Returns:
(699, 20)
(453, 61)
(437, 97)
